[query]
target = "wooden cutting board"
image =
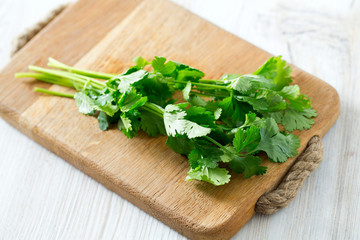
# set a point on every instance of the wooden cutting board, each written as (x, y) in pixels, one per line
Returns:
(105, 36)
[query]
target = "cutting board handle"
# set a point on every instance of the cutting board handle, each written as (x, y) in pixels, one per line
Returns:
(20, 41)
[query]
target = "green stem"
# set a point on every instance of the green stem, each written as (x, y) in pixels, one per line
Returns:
(60, 94)
(152, 107)
(150, 110)
(206, 95)
(210, 80)
(205, 85)
(45, 78)
(72, 76)
(56, 64)
(217, 144)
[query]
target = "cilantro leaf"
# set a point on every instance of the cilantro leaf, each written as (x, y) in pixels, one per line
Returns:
(275, 69)
(241, 84)
(294, 119)
(297, 101)
(196, 158)
(195, 100)
(140, 62)
(247, 140)
(84, 103)
(216, 176)
(180, 144)
(152, 124)
(265, 100)
(249, 164)
(189, 74)
(279, 147)
(159, 65)
(103, 121)
(233, 111)
(175, 123)
(131, 100)
(201, 116)
(129, 123)
(129, 79)
(156, 88)
(205, 154)
(105, 103)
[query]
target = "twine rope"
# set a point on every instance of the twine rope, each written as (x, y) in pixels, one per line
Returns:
(306, 163)
(268, 203)
(29, 33)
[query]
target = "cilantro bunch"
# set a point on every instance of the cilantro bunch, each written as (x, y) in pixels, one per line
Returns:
(222, 125)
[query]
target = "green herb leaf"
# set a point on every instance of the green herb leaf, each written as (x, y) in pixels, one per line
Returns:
(175, 123)
(152, 124)
(129, 79)
(140, 62)
(276, 69)
(294, 119)
(159, 65)
(130, 100)
(216, 176)
(247, 140)
(129, 123)
(180, 144)
(249, 164)
(279, 147)
(103, 121)
(84, 103)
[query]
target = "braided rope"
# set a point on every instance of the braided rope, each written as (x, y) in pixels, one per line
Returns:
(306, 163)
(20, 41)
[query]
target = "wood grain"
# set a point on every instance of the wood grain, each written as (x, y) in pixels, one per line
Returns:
(44, 128)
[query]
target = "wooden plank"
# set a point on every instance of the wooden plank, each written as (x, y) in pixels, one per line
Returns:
(143, 169)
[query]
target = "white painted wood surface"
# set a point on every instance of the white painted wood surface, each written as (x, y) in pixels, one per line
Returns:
(43, 197)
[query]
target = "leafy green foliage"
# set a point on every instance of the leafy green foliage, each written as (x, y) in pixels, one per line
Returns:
(131, 100)
(247, 140)
(278, 146)
(156, 88)
(249, 164)
(294, 119)
(298, 101)
(103, 121)
(84, 103)
(233, 111)
(223, 123)
(175, 123)
(129, 79)
(129, 123)
(205, 154)
(152, 124)
(140, 62)
(276, 70)
(160, 66)
(180, 144)
(215, 176)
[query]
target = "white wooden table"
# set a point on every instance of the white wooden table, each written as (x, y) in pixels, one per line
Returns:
(43, 197)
